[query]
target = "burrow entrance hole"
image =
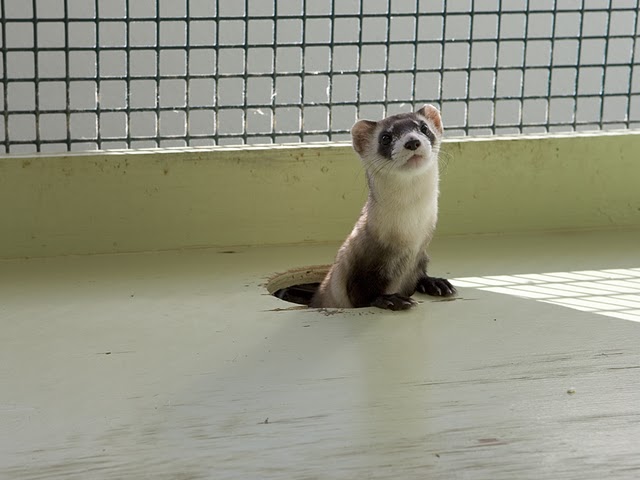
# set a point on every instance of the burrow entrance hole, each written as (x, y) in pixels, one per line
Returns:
(298, 284)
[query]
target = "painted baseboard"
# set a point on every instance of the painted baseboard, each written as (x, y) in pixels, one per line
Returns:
(105, 202)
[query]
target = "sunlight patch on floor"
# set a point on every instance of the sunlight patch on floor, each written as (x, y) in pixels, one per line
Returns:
(612, 292)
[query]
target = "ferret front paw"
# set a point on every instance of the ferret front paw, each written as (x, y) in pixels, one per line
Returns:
(437, 287)
(394, 301)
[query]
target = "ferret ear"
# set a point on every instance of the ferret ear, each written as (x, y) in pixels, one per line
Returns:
(361, 134)
(432, 113)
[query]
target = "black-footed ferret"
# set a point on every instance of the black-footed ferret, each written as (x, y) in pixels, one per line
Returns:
(384, 260)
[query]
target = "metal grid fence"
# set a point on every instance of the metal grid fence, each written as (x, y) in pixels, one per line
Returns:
(100, 74)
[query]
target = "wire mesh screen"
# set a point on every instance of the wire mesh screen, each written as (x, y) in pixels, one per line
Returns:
(100, 74)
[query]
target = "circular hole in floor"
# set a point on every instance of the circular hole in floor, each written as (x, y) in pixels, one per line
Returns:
(298, 284)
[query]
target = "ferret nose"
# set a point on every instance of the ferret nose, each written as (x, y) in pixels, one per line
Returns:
(412, 144)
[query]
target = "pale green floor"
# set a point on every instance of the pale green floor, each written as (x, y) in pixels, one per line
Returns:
(176, 366)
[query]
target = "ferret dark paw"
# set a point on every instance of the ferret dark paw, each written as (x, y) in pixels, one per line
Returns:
(394, 301)
(437, 287)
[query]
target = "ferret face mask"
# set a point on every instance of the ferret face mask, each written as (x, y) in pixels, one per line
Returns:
(404, 142)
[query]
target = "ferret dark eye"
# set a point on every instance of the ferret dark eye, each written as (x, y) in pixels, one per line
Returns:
(385, 139)
(424, 129)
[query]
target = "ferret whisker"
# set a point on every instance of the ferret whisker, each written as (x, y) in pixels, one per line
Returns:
(445, 153)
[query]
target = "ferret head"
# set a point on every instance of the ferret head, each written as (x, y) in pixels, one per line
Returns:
(403, 143)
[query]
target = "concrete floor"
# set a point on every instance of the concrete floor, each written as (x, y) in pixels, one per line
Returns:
(177, 365)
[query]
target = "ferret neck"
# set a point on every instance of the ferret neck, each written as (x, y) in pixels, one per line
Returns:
(393, 189)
